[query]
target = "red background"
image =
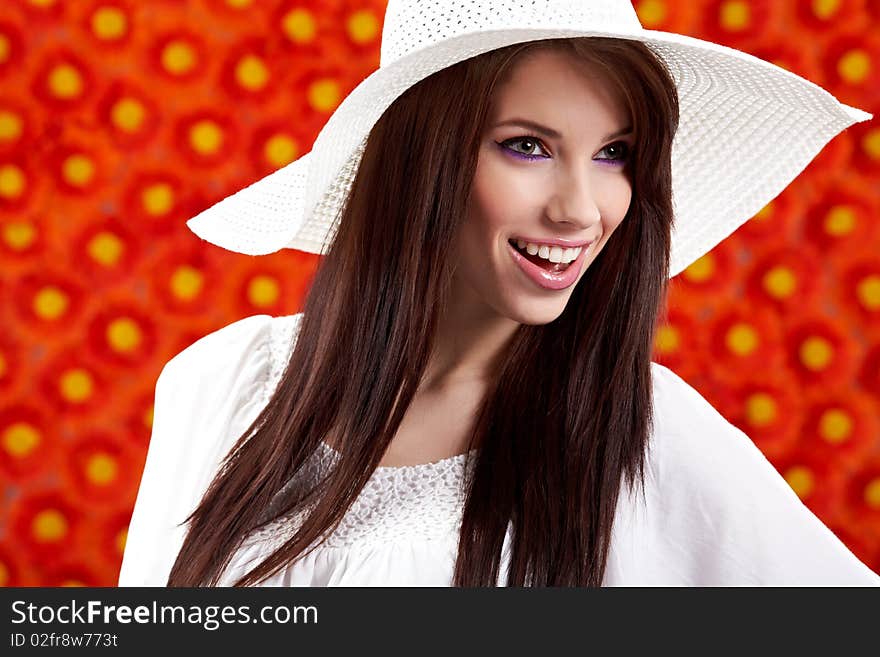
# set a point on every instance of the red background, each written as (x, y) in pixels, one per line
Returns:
(119, 120)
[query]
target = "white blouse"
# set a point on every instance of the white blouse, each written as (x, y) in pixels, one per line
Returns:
(715, 512)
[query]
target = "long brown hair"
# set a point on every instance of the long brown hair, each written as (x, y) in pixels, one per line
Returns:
(554, 446)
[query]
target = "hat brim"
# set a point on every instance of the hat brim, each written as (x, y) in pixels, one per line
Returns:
(747, 129)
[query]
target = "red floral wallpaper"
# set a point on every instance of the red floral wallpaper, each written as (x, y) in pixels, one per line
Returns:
(121, 119)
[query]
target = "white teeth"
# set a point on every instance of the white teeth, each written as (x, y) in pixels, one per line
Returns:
(553, 254)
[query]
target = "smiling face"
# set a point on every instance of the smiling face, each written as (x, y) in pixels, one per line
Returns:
(566, 183)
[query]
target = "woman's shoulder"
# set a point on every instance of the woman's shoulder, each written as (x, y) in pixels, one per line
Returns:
(696, 449)
(723, 513)
(249, 336)
(206, 396)
(678, 405)
(233, 355)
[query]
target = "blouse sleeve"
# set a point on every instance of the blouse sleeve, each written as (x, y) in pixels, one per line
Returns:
(723, 515)
(205, 398)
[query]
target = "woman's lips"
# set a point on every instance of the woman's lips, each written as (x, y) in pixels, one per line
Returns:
(549, 280)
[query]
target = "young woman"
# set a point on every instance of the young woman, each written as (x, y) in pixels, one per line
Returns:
(468, 396)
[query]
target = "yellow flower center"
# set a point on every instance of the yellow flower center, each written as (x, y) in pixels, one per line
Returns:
(651, 12)
(667, 339)
(299, 25)
(854, 66)
(50, 302)
(105, 248)
(178, 57)
(868, 292)
(11, 125)
(109, 23)
(263, 290)
(206, 137)
(20, 439)
(702, 269)
(65, 81)
(363, 26)
(76, 385)
(280, 150)
(780, 282)
(840, 220)
(251, 73)
(742, 339)
(801, 480)
(872, 493)
(816, 353)
(49, 525)
(101, 468)
(735, 16)
(187, 282)
(19, 235)
(324, 95)
(835, 426)
(158, 199)
(78, 170)
(761, 409)
(12, 181)
(128, 114)
(123, 334)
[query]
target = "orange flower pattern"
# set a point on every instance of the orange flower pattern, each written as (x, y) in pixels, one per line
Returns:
(119, 120)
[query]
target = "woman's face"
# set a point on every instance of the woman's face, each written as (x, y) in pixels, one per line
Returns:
(561, 181)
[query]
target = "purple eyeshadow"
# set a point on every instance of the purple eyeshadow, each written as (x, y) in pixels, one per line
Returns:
(522, 156)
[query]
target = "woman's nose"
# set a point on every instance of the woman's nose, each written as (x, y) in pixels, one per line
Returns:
(574, 201)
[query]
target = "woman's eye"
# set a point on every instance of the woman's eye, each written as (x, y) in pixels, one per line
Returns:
(529, 143)
(619, 151)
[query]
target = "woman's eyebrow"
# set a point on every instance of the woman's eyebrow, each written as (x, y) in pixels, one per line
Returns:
(553, 134)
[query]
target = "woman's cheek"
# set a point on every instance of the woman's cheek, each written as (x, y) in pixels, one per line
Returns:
(498, 194)
(619, 206)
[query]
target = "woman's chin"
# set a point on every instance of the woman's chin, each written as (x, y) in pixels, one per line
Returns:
(537, 313)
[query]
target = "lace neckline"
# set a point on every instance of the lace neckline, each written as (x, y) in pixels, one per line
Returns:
(421, 501)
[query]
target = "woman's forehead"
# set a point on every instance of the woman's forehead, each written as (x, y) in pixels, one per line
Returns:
(555, 89)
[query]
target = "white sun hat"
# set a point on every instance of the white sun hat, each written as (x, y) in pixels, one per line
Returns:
(747, 127)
